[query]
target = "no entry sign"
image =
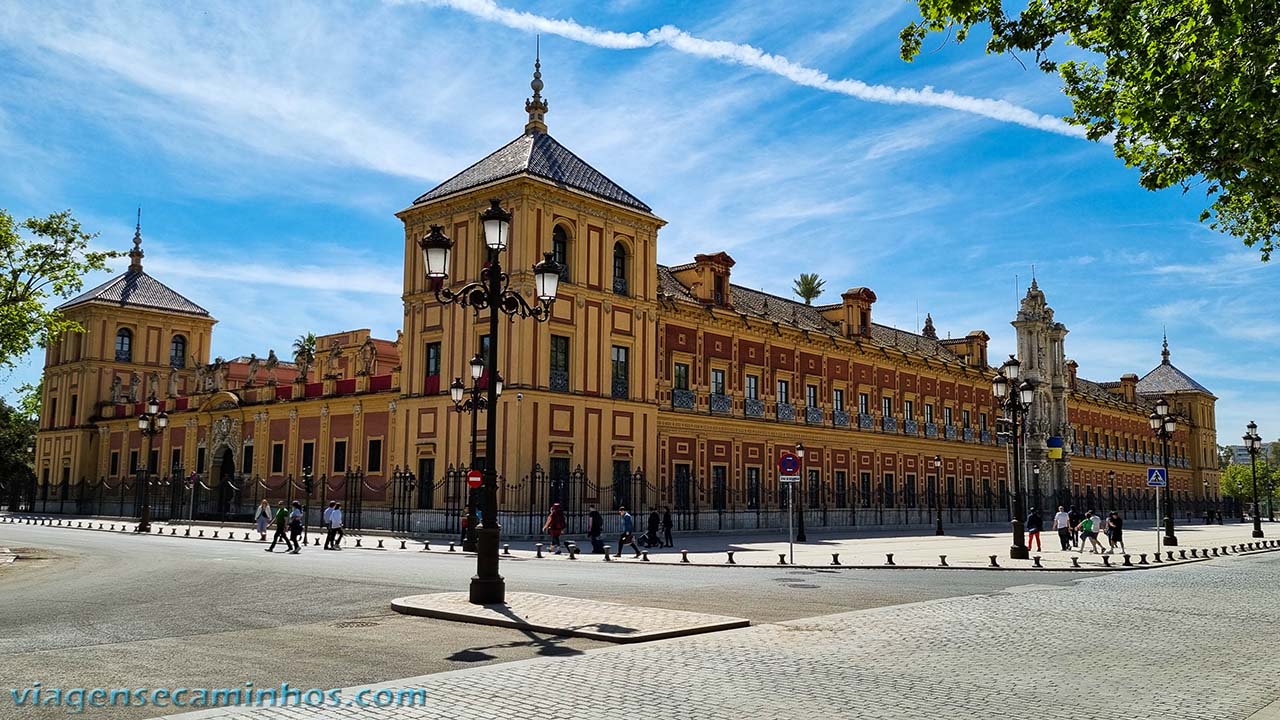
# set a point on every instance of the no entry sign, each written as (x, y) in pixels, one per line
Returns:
(474, 478)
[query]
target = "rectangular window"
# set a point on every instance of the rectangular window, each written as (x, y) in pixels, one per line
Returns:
(277, 458)
(719, 487)
(982, 420)
(886, 407)
(910, 489)
(753, 488)
(53, 412)
(373, 460)
(837, 400)
(115, 463)
(484, 348)
(864, 489)
(621, 373)
(908, 410)
(928, 412)
(247, 465)
(717, 382)
(433, 359)
(864, 404)
(888, 489)
(175, 460)
(339, 456)
(753, 387)
(946, 415)
(965, 416)
(811, 395)
(308, 455)
(200, 460)
(680, 376)
(72, 419)
(559, 379)
(841, 488)
(814, 498)
(719, 290)
(784, 392)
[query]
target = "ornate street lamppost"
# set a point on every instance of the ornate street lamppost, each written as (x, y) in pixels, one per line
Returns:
(937, 494)
(1253, 443)
(804, 476)
(1015, 398)
(308, 485)
(1111, 498)
(474, 403)
(150, 423)
(1163, 425)
(491, 292)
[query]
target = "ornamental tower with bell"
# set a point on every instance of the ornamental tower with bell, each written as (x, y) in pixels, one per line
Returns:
(1040, 348)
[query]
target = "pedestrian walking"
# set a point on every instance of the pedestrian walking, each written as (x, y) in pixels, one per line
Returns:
(261, 517)
(1088, 529)
(282, 526)
(1076, 517)
(464, 525)
(1035, 523)
(555, 526)
(1062, 523)
(655, 522)
(295, 526)
(595, 527)
(1115, 531)
(328, 532)
(666, 528)
(628, 536)
(334, 540)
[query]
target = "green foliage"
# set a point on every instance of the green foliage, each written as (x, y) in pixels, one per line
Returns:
(49, 264)
(809, 286)
(1187, 91)
(31, 399)
(1237, 481)
(304, 350)
(17, 433)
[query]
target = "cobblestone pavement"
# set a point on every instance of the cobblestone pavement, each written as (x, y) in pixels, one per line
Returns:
(1194, 642)
(963, 547)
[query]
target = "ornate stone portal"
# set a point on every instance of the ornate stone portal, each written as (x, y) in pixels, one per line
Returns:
(1041, 350)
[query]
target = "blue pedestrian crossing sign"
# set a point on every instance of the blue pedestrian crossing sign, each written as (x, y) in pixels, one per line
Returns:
(1157, 477)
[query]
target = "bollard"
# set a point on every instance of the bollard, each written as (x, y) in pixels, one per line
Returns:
(942, 560)
(185, 533)
(782, 558)
(1224, 549)
(426, 545)
(731, 562)
(573, 552)
(100, 526)
(77, 524)
(1035, 561)
(1127, 561)
(113, 525)
(538, 546)
(1215, 552)
(993, 561)
(606, 554)
(1155, 557)
(1169, 554)
(835, 558)
(173, 531)
(357, 542)
(59, 523)
(1142, 558)
(644, 555)
(506, 549)
(1182, 554)
(888, 559)
(453, 549)
(201, 533)
(684, 555)
(1233, 549)
(316, 543)
(380, 544)
(402, 547)
(1106, 561)
(1075, 561)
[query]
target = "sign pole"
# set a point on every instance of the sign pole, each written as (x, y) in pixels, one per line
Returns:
(791, 521)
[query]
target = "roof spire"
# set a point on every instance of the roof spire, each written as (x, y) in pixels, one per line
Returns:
(536, 106)
(135, 255)
(1165, 352)
(929, 330)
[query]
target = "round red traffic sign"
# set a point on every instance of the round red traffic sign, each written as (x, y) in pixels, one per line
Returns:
(788, 463)
(474, 478)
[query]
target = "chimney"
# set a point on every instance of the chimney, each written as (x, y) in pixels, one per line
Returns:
(855, 312)
(1129, 387)
(708, 278)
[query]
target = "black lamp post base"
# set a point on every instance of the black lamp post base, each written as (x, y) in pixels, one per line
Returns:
(487, 586)
(1170, 540)
(488, 590)
(1258, 533)
(938, 530)
(1017, 552)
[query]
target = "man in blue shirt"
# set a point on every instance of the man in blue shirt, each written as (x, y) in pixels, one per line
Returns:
(628, 533)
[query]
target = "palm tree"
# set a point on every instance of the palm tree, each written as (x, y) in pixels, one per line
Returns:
(304, 352)
(809, 286)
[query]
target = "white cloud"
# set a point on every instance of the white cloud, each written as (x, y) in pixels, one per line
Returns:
(749, 56)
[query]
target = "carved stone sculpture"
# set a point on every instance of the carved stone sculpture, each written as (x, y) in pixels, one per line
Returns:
(271, 364)
(173, 382)
(116, 394)
(254, 363)
(367, 354)
(335, 354)
(135, 384)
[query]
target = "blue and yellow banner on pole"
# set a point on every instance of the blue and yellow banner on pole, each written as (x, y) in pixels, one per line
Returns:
(1055, 448)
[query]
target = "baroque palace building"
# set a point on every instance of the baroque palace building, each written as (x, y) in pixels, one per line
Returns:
(649, 385)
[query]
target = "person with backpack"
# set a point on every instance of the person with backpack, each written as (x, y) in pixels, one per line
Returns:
(595, 528)
(295, 526)
(628, 536)
(282, 524)
(555, 526)
(1035, 523)
(261, 517)
(666, 528)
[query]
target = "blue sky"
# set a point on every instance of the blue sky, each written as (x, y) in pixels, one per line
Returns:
(269, 145)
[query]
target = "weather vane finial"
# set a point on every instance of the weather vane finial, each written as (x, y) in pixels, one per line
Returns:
(135, 255)
(536, 106)
(1164, 354)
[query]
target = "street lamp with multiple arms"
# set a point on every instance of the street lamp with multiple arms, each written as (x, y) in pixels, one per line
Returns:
(491, 292)
(475, 401)
(1163, 425)
(1253, 443)
(150, 423)
(1015, 398)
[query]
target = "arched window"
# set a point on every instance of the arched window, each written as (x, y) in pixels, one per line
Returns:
(619, 269)
(560, 249)
(124, 345)
(178, 351)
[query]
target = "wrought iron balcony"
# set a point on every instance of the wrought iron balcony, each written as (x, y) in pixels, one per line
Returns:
(986, 437)
(910, 427)
(786, 411)
(930, 429)
(812, 415)
(621, 388)
(968, 434)
(619, 286)
(559, 380)
(889, 424)
(753, 407)
(865, 421)
(950, 431)
(721, 403)
(840, 418)
(683, 398)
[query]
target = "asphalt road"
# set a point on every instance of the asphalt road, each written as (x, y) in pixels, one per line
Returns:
(94, 609)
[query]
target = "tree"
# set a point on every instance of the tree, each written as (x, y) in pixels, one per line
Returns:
(17, 433)
(34, 270)
(304, 352)
(31, 399)
(1237, 482)
(1187, 91)
(809, 286)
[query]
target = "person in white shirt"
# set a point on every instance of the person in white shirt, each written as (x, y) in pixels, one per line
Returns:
(1062, 523)
(334, 539)
(328, 512)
